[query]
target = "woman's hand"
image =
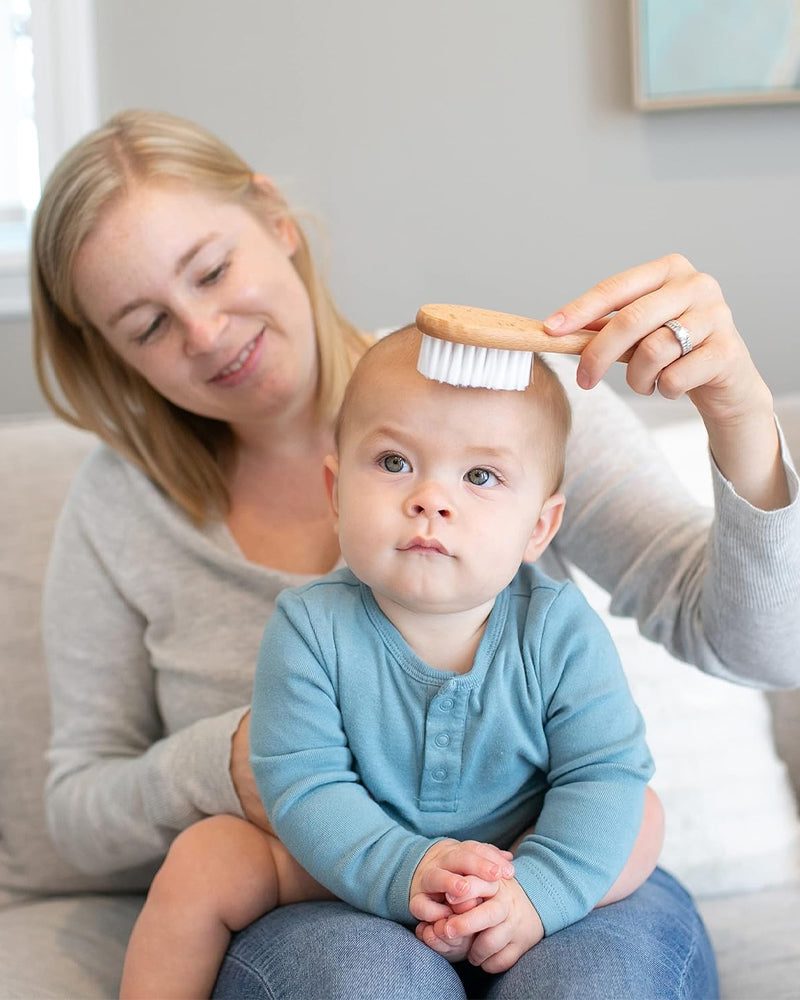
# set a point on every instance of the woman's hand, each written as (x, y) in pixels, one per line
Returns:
(242, 776)
(629, 310)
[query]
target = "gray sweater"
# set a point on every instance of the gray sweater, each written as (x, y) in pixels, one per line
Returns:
(152, 627)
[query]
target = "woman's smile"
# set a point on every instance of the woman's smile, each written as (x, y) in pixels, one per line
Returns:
(245, 362)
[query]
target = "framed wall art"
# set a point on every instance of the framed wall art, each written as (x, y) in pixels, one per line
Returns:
(691, 53)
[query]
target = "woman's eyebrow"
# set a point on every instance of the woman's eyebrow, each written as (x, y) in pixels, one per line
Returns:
(186, 259)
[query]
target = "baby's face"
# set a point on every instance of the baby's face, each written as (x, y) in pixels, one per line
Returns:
(438, 491)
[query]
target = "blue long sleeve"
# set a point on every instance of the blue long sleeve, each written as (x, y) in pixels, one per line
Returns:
(365, 755)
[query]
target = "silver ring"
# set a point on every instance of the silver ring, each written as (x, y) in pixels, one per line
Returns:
(682, 335)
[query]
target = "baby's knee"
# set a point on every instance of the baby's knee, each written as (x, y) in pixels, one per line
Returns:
(193, 860)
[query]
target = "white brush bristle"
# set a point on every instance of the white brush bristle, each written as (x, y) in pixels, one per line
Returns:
(479, 367)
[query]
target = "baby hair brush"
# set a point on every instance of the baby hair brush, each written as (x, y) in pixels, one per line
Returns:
(466, 346)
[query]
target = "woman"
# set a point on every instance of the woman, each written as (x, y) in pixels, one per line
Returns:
(177, 314)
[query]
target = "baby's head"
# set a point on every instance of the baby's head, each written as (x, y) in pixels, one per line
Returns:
(440, 492)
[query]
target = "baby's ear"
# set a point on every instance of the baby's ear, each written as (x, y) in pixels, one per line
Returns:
(331, 470)
(546, 526)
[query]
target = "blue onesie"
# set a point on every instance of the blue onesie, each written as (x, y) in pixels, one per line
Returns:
(365, 756)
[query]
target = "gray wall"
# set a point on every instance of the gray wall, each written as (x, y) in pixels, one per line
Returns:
(458, 150)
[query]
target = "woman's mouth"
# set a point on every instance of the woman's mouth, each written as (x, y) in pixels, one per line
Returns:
(239, 363)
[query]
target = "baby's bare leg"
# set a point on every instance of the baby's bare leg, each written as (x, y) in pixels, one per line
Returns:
(219, 876)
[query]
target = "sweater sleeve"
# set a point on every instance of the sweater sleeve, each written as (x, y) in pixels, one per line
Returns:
(718, 588)
(118, 789)
(306, 775)
(599, 766)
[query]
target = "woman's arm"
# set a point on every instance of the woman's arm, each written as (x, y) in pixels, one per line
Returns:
(119, 787)
(718, 589)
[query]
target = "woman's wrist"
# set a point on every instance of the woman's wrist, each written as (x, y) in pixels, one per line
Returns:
(747, 451)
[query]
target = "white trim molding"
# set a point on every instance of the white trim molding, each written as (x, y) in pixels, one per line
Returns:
(65, 75)
(66, 102)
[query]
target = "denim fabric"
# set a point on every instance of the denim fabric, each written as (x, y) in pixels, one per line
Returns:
(651, 946)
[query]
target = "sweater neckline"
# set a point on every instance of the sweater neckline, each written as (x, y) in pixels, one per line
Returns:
(421, 671)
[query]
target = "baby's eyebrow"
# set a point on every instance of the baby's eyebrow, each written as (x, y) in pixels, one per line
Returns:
(494, 451)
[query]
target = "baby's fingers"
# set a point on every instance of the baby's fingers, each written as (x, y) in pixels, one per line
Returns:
(456, 888)
(496, 961)
(490, 913)
(428, 908)
(485, 861)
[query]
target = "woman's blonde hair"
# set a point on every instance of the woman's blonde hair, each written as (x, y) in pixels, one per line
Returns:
(82, 378)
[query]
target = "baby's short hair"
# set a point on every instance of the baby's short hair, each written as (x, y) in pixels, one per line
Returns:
(548, 400)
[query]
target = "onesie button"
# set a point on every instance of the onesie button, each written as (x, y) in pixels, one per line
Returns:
(442, 740)
(439, 774)
(446, 704)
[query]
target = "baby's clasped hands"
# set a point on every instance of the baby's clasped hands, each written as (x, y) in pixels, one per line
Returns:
(456, 878)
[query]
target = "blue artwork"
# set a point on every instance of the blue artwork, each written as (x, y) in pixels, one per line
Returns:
(710, 51)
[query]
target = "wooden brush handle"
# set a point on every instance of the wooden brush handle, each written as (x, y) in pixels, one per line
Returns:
(502, 331)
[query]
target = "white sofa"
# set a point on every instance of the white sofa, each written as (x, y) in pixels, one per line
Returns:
(731, 806)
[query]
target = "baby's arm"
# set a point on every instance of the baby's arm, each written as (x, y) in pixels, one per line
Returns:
(220, 875)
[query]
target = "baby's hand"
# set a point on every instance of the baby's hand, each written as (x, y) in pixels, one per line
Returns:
(502, 928)
(453, 949)
(456, 873)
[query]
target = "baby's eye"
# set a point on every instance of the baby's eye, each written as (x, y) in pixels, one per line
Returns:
(481, 477)
(395, 463)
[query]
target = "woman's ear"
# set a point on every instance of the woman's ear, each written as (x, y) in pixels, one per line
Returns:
(283, 226)
(331, 470)
(546, 526)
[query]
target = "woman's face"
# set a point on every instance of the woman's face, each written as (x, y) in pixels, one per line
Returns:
(202, 299)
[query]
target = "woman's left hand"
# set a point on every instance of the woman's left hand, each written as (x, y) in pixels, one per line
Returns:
(629, 310)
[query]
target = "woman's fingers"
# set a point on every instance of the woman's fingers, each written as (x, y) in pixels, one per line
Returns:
(659, 359)
(642, 300)
(612, 294)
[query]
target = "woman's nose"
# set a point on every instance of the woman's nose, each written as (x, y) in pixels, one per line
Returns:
(202, 328)
(429, 499)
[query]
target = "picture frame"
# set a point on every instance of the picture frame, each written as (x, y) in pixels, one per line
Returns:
(701, 53)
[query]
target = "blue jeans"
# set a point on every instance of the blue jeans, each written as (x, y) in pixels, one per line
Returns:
(651, 945)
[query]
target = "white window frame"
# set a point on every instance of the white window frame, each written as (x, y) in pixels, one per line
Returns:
(65, 99)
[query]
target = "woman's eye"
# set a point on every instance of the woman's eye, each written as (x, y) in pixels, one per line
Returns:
(394, 463)
(481, 477)
(151, 330)
(214, 274)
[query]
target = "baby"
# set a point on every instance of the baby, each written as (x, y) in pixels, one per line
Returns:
(441, 734)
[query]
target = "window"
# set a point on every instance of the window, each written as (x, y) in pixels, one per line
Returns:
(47, 101)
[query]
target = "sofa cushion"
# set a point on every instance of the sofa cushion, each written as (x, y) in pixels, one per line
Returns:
(65, 947)
(755, 938)
(38, 459)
